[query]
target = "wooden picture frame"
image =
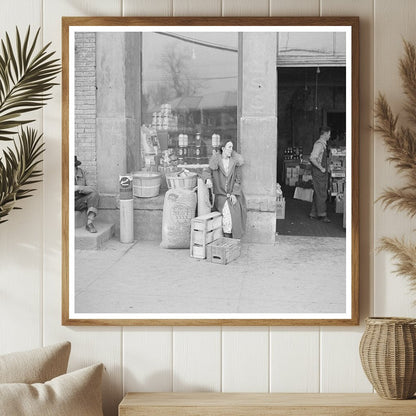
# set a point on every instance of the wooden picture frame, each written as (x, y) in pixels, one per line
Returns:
(94, 292)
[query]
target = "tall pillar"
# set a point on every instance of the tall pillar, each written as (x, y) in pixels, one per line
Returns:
(118, 107)
(258, 133)
(133, 99)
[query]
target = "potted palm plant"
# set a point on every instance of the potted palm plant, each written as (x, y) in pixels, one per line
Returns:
(26, 78)
(388, 345)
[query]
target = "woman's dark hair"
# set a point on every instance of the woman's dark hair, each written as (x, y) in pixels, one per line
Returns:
(223, 142)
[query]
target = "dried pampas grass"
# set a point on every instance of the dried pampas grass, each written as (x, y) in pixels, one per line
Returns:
(401, 144)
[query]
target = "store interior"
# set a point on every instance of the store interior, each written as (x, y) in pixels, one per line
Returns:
(308, 98)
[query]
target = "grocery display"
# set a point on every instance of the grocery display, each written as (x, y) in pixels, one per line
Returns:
(188, 132)
(337, 170)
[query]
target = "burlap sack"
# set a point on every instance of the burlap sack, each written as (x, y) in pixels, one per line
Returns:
(178, 210)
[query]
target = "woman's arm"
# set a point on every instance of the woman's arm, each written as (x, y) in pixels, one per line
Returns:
(237, 183)
(207, 173)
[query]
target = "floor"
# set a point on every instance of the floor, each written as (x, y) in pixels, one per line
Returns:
(297, 221)
(298, 274)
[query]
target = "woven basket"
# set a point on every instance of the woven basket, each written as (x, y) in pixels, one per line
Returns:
(146, 184)
(388, 356)
(175, 181)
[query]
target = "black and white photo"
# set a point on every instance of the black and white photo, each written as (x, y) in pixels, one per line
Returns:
(210, 171)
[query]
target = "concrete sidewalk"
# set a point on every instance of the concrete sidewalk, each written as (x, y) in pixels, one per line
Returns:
(296, 275)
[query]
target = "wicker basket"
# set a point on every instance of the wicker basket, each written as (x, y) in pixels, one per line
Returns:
(146, 184)
(388, 356)
(181, 180)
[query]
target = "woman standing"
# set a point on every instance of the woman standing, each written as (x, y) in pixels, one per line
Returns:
(224, 177)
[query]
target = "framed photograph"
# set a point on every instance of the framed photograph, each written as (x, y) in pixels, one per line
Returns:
(210, 171)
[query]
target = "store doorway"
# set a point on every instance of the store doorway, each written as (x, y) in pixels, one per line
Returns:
(307, 98)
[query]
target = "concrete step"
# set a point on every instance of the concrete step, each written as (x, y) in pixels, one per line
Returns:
(80, 218)
(84, 240)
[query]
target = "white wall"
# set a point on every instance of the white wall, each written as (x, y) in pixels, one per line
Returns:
(261, 359)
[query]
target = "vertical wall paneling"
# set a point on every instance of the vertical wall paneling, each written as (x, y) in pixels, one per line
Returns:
(394, 21)
(245, 8)
(341, 370)
(147, 359)
(147, 7)
(341, 367)
(21, 237)
(196, 8)
(294, 351)
(196, 359)
(232, 358)
(245, 359)
(89, 345)
(294, 8)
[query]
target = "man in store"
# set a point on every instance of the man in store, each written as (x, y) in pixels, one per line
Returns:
(318, 159)
(86, 197)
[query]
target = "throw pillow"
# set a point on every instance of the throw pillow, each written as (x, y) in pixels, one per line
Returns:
(35, 366)
(73, 394)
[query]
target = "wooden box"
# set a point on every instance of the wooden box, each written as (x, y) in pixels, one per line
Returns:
(224, 250)
(204, 230)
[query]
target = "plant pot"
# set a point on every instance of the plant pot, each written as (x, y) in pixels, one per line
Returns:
(388, 356)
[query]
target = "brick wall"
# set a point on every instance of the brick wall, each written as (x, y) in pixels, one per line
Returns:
(86, 104)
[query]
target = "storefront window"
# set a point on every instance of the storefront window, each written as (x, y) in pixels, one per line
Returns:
(189, 94)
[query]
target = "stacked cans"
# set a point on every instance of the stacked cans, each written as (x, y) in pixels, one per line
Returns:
(183, 148)
(164, 119)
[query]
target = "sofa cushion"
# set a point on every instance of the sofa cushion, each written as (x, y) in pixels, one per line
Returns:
(35, 366)
(73, 394)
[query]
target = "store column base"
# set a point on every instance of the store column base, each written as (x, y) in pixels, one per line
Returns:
(260, 228)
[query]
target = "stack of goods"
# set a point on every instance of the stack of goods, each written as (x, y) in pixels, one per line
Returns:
(202, 234)
(292, 175)
(299, 175)
(306, 174)
(337, 187)
(164, 119)
(149, 148)
(195, 151)
(337, 169)
(204, 230)
(183, 148)
(280, 203)
(293, 153)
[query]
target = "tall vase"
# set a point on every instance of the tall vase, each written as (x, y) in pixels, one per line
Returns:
(388, 356)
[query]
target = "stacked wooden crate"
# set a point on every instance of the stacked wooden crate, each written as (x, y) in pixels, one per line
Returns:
(204, 230)
(224, 250)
